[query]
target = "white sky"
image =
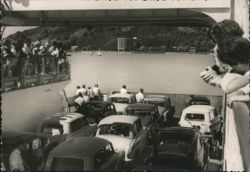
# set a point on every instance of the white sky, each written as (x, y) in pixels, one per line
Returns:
(13, 29)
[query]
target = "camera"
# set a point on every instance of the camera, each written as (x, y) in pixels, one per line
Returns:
(217, 69)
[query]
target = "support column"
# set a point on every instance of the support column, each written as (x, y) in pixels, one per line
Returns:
(240, 13)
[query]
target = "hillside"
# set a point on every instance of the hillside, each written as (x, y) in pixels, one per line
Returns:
(149, 38)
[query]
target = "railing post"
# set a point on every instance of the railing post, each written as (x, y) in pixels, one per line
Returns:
(2, 75)
(224, 111)
(43, 66)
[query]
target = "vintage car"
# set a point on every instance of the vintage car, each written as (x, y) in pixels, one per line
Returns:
(70, 124)
(197, 100)
(97, 110)
(204, 117)
(84, 154)
(164, 105)
(29, 149)
(149, 115)
(121, 101)
(178, 149)
(125, 133)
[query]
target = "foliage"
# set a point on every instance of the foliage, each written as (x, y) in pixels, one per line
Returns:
(149, 38)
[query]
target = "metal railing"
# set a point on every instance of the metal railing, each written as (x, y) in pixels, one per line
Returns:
(22, 72)
(236, 138)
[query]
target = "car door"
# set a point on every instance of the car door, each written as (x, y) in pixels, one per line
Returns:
(215, 122)
(109, 159)
(109, 110)
(158, 119)
(140, 142)
(170, 108)
(200, 150)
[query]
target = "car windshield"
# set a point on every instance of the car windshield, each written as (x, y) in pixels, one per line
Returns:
(121, 129)
(123, 100)
(173, 162)
(199, 103)
(67, 164)
(195, 117)
(139, 113)
(175, 143)
(157, 103)
(52, 129)
(95, 107)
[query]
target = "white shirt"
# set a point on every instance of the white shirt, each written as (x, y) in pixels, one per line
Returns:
(123, 91)
(86, 98)
(96, 91)
(139, 97)
(78, 91)
(79, 100)
(16, 161)
(55, 53)
(246, 89)
(229, 77)
(83, 90)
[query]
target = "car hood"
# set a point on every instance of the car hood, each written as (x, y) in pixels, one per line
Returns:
(119, 143)
(120, 107)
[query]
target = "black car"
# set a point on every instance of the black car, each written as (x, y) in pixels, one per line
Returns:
(149, 115)
(97, 110)
(84, 154)
(197, 100)
(29, 149)
(178, 149)
(165, 107)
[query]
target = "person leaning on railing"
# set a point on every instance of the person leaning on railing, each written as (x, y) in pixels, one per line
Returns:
(232, 61)
(5, 54)
(218, 33)
(235, 52)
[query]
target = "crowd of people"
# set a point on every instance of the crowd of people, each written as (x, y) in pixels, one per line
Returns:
(29, 58)
(84, 94)
(231, 71)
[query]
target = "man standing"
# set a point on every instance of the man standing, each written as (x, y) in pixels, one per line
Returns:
(140, 96)
(79, 100)
(78, 90)
(123, 89)
(86, 97)
(96, 92)
(83, 90)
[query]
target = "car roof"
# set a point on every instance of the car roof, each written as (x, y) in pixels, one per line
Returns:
(12, 139)
(121, 95)
(199, 108)
(157, 99)
(181, 130)
(118, 118)
(200, 98)
(62, 117)
(79, 147)
(156, 96)
(98, 102)
(140, 106)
